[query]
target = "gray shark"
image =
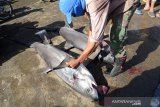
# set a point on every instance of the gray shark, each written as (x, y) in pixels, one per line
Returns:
(79, 40)
(73, 38)
(79, 79)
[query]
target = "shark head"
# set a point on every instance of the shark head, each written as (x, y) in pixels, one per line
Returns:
(89, 89)
(86, 85)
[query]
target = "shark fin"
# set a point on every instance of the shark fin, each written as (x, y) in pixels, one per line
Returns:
(46, 70)
(62, 64)
(44, 36)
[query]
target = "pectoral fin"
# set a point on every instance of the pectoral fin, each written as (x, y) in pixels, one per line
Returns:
(62, 64)
(44, 36)
(46, 70)
(68, 45)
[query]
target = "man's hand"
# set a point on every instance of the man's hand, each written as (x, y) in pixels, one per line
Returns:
(91, 46)
(73, 63)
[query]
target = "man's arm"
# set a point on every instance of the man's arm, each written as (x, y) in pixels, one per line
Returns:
(91, 46)
(98, 11)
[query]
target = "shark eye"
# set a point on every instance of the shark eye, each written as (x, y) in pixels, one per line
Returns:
(89, 90)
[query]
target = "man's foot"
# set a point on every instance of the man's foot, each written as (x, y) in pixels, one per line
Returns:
(151, 14)
(139, 11)
(118, 66)
(146, 8)
(116, 70)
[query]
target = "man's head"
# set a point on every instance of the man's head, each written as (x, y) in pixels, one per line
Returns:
(72, 8)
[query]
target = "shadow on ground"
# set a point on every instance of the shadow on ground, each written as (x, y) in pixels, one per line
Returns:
(151, 41)
(15, 38)
(20, 12)
(141, 86)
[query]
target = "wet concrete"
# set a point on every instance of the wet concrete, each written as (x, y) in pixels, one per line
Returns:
(21, 82)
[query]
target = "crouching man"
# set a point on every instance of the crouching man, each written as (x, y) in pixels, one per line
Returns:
(100, 12)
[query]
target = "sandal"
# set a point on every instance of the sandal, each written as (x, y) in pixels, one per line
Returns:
(151, 14)
(138, 11)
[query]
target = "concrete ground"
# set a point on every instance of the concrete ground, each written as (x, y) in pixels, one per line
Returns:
(21, 82)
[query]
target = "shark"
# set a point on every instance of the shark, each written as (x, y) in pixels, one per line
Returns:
(75, 39)
(80, 79)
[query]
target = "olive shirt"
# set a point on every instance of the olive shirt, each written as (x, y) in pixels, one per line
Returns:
(99, 10)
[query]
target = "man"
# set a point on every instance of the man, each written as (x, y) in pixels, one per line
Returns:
(150, 8)
(100, 12)
(139, 10)
(74, 10)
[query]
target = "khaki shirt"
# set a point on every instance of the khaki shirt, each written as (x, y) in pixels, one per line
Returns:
(99, 10)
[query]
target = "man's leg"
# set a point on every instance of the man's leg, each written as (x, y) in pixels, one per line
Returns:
(147, 5)
(118, 32)
(151, 10)
(139, 10)
(152, 5)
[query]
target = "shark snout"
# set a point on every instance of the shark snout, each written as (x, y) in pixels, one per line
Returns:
(94, 93)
